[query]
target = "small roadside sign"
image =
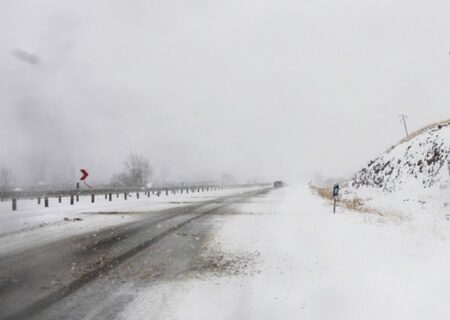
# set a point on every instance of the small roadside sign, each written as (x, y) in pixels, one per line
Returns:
(336, 190)
(335, 194)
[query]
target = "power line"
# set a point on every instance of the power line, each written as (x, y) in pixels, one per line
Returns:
(403, 119)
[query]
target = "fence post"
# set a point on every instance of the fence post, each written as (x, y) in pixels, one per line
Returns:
(46, 202)
(14, 204)
(92, 198)
(59, 199)
(71, 199)
(39, 200)
(137, 195)
(78, 197)
(110, 197)
(125, 195)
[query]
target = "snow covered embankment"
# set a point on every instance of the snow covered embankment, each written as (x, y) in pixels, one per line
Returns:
(410, 179)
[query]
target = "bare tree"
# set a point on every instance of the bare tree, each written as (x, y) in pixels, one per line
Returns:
(136, 174)
(6, 179)
(227, 178)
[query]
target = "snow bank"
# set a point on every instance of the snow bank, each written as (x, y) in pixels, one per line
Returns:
(410, 181)
(415, 165)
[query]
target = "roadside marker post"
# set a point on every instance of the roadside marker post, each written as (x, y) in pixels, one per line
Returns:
(335, 194)
(14, 204)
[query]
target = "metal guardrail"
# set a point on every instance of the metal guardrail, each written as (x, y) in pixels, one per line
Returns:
(74, 195)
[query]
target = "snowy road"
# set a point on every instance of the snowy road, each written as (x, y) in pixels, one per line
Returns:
(278, 253)
(81, 272)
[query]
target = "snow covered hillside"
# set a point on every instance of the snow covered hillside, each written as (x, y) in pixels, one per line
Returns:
(409, 181)
(420, 162)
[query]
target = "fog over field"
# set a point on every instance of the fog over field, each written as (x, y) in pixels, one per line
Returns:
(271, 89)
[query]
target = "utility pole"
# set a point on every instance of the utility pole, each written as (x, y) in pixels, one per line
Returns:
(403, 119)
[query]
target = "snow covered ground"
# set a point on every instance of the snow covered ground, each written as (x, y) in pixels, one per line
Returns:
(286, 256)
(33, 224)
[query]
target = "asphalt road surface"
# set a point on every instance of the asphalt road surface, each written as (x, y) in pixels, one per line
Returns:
(84, 277)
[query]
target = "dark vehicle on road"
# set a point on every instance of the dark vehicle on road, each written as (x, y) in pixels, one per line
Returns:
(278, 184)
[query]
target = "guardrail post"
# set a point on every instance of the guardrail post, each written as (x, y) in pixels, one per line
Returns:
(117, 195)
(137, 195)
(106, 196)
(71, 199)
(167, 192)
(78, 197)
(59, 199)
(110, 197)
(125, 196)
(46, 202)
(39, 200)
(148, 194)
(14, 204)
(92, 198)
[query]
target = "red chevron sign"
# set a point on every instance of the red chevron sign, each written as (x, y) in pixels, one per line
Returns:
(85, 174)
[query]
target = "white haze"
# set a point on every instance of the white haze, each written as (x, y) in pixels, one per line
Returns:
(274, 89)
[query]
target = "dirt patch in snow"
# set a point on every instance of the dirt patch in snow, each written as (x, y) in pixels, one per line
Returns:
(354, 204)
(218, 263)
(119, 212)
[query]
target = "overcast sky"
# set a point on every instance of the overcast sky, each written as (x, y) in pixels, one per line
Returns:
(277, 89)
